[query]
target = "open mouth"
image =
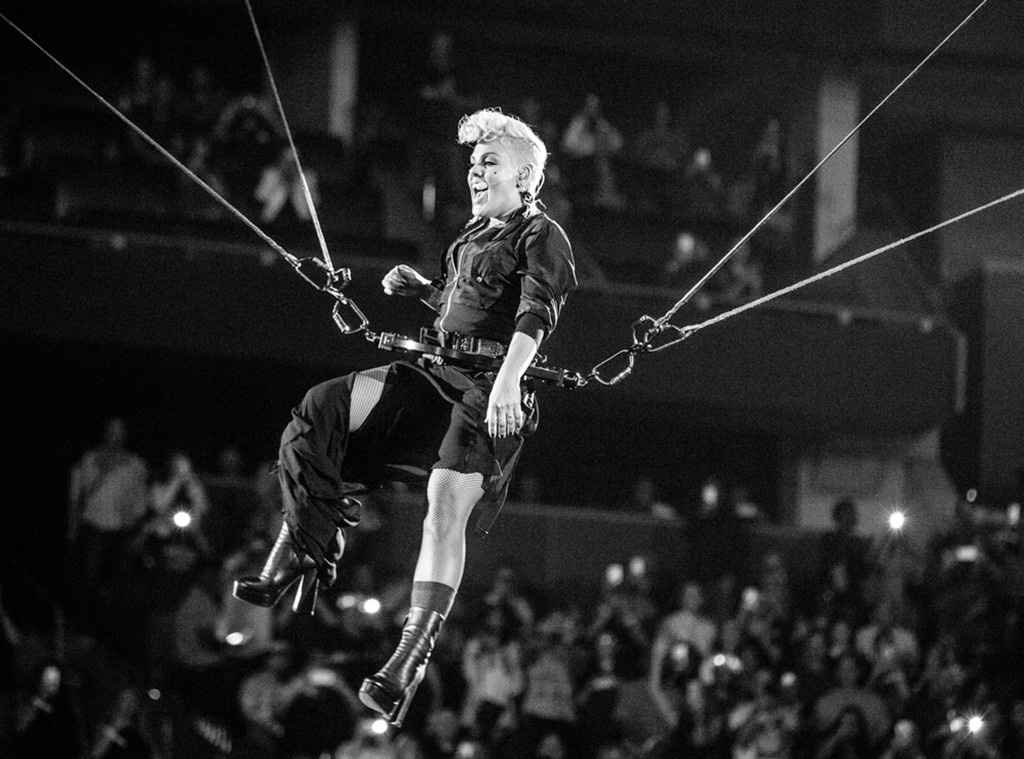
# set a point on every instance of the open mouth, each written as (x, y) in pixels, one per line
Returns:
(479, 192)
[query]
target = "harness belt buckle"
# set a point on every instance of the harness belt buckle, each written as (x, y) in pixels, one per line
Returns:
(464, 343)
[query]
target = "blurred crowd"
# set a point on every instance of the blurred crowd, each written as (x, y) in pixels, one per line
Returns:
(904, 648)
(402, 173)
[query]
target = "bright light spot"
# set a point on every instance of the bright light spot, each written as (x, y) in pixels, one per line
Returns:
(972, 495)
(379, 726)
(957, 724)
(975, 723)
(371, 606)
(719, 660)
(896, 520)
(347, 601)
(182, 518)
(154, 694)
(234, 639)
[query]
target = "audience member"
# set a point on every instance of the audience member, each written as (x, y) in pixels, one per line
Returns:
(685, 639)
(548, 705)
(137, 102)
(107, 499)
(125, 734)
(200, 160)
(718, 537)
(645, 500)
(850, 716)
(492, 666)
(689, 259)
(265, 696)
(442, 735)
(657, 156)
(325, 713)
(704, 187)
(764, 725)
(506, 591)
(177, 491)
(744, 277)
(844, 558)
(439, 165)
(246, 138)
(280, 188)
(202, 102)
(618, 613)
(49, 722)
(598, 696)
(590, 142)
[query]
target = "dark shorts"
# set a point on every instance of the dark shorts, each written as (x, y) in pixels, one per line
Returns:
(428, 417)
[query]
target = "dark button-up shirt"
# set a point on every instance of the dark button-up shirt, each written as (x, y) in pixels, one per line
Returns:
(497, 278)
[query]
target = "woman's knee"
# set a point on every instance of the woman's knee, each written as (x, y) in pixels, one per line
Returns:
(451, 497)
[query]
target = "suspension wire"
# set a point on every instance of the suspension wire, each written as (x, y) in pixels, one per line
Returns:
(622, 362)
(288, 132)
(689, 330)
(294, 261)
(662, 321)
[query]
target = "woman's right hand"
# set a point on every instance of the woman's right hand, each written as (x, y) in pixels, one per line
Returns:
(404, 280)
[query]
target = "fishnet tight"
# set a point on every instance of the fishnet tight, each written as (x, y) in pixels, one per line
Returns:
(451, 497)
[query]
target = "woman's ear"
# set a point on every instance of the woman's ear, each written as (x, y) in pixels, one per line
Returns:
(525, 176)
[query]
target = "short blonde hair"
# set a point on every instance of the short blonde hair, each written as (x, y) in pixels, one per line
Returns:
(515, 135)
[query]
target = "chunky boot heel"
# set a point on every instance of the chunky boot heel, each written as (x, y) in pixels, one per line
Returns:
(389, 703)
(390, 691)
(305, 596)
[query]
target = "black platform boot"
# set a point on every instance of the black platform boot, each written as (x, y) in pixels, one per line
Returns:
(390, 691)
(283, 568)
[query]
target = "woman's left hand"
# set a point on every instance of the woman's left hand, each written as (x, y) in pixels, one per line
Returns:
(505, 414)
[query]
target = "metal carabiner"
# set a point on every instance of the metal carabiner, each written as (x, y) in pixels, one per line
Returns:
(681, 333)
(339, 320)
(595, 373)
(314, 271)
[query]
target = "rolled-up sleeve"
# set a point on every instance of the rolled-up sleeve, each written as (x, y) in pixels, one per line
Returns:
(548, 278)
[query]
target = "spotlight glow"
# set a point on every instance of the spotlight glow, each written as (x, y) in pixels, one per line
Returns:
(896, 520)
(379, 726)
(182, 519)
(371, 606)
(234, 638)
(975, 723)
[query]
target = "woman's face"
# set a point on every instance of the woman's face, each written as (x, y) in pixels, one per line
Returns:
(492, 181)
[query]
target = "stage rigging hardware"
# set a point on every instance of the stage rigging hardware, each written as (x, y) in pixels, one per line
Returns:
(649, 334)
